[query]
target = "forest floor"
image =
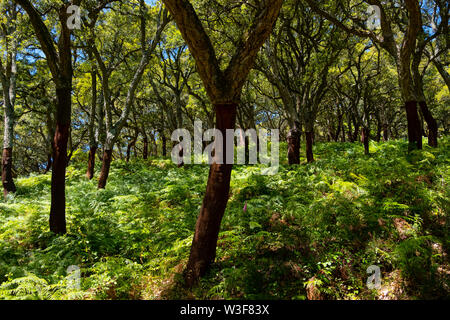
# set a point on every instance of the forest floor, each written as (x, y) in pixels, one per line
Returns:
(308, 232)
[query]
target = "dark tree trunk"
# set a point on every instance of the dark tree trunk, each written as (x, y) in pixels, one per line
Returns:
(164, 145)
(203, 250)
(432, 124)
(293, 141)
(7, 178)
(385, 132)
(379, 131)
(91, 162)
(58, 198)
(130, 145)
(155, 146)
(356, 130)
(414, 127)
(145, 152)
(309, 146)
(350, 133)
(365, 140)
(104, 172)
(338, 129)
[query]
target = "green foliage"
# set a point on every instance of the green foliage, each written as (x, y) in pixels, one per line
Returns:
(322, 223)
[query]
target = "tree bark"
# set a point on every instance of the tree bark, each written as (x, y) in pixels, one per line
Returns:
(356, 126)
(145, 151)
(224, 89)
(91, 162)
(92, 139)
(7, 156)
(203, 250)
(350, 133)
(432, 124)
(365, 140)
(8, 81)
(106, 164)
(7, 179)
(293, 140)
(58, 198)
(379, 131)
(385, 132)
(130, 145)
(309, 146)
(414, 128)
(164, 145)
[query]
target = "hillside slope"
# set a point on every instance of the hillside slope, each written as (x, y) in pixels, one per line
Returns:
(308, 232)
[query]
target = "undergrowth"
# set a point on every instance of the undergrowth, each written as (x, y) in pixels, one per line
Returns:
(317, 225)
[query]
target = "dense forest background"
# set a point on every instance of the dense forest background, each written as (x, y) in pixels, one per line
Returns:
(359, 91)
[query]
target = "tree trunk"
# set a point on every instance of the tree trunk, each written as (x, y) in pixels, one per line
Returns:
(164, 145)
(58, 194)
(350, 133)
(91, 162)
(203, 250)
(309, 146)
(92, 139)
(106, 164)
(155, 146)
(145, 152)
(130, 145)
(414, 128)
(385, 132)
(432, 124)
(343, 137)
(379, 131)
(293, 141)
(365, 140)
(338, 129)
(7, 179)
(356, 126)
(7, 156)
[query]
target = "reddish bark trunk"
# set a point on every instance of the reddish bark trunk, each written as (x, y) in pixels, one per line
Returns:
(309, 146)
(293, 141)
(106, 164)
(414, 128)
(58, 192)
(7, 178)
(432, 124)
(203, 250)
(91, 162)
